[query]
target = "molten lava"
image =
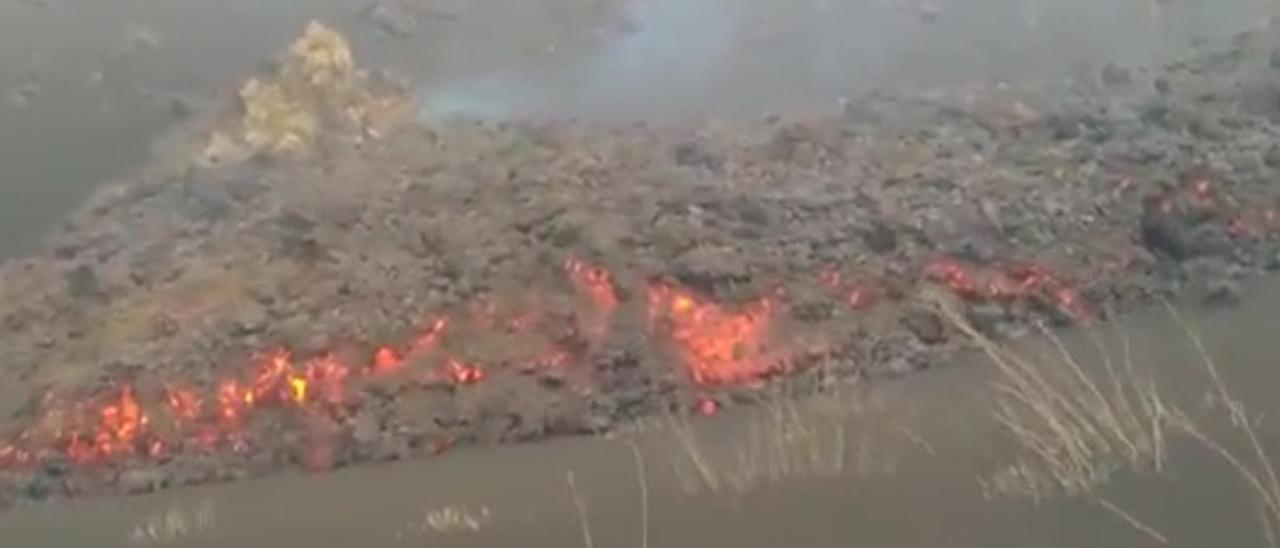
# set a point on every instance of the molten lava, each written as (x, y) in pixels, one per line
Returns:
(595, 281)
(386, 361)
(718, 346)
(324, 380)
(463, 373)
(1019, 281)
(597, 285)
(857, 295)
(120, 429)
(184, 404)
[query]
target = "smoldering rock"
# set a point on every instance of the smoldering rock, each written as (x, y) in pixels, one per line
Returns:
(295, 223)
(1115, 75)
(1165, 234)
(82, 284)
(752, 212)
(706, 267)
(1271, 158)
(987, 317)
(1063, 127)
(880, 237)
(926, 326)
(304, 249)
(365, 428)
(252, 319)
(1162, 86)
(142, 480)
(1211, 238)
(814, 310)
(201, 201)
(1222, 292)
(553, 379)
(391, 17)
(38, 487)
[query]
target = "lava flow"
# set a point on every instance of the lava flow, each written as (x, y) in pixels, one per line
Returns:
(387, 360)
(857, 295)
(719, 346)
(1020, 281)
(716, 345)
(120, 428)
(597, 284)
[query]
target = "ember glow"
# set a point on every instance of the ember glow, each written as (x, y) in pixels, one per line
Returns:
(719, 346)
(595, 281)
(857, 295)
(184, 404)
(596, 284)
(387, 360)
(1005, 284)
(716, 344)
(1201, 191)
(707, 407)
(121, 424)
(463, 373)
(1253, 223)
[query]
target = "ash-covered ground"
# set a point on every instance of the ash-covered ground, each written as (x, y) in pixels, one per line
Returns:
(395, 297)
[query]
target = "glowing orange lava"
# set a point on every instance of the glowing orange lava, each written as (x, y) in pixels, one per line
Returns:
(1253, 223)
(718, 346)
(184, 404)
(597, 285)
(956, 276)
(120, 427)
(595, 281)
(708, 407)
(1201, 190)
(1019, 281)
(233, 401)
(857, 295)
(386, 361)
(462, 373)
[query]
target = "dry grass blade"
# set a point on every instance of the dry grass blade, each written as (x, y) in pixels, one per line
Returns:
(783, 439)
(1270, 492)
(1072, 433)
(581, 506)
(1075, 426)
(644, 493)
(1133, 521)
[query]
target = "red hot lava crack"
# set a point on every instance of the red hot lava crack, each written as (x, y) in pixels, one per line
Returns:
(716, 343)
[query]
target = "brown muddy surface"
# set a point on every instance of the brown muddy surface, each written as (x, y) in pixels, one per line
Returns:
(454, 284)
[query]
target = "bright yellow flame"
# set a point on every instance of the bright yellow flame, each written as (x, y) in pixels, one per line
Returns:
(298, 389)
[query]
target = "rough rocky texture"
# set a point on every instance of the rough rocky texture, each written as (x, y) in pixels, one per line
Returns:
(486, 284)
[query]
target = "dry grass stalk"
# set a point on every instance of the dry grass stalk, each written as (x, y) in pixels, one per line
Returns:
(580, 505)
(643, 482)
(173, 525)
(1074, 428)
(1133, 521)
(789, 439)
(1256, 469)
(781, 443)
